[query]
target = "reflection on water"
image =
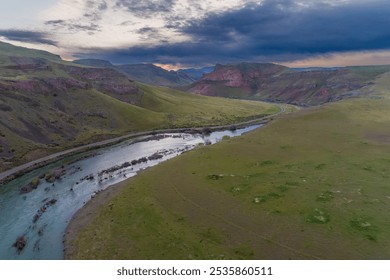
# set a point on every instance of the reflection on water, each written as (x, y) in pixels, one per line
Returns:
(39, 217)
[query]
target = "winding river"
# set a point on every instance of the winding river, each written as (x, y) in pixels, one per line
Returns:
(41, 215)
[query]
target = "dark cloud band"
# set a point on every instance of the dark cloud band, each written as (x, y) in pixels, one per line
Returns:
(27, 36)
(272, 30)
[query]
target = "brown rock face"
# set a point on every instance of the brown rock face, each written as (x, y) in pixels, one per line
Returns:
(248, 76)
(276, 83)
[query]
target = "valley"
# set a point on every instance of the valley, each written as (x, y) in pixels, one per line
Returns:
(312, 183)
(48, 105)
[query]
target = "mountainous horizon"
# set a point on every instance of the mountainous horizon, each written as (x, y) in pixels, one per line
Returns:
(254, 81)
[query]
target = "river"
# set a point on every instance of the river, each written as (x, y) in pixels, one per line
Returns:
(41, 215)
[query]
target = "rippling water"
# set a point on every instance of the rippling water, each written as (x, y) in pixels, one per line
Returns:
(42, 215)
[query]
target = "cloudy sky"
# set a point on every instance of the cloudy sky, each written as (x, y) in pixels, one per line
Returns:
(181, 33)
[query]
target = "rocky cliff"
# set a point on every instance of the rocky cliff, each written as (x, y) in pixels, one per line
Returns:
(276, 83)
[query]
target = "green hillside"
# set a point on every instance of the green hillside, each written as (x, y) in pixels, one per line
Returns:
(47, 105)
(186, 109)
(7, 50)
(314, 184)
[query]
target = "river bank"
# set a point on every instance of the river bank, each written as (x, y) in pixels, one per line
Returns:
(18, 171)
(38, 214)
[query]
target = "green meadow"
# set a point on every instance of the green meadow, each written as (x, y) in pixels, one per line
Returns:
(314, 184)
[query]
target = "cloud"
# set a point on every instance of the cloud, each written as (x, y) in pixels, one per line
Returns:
(27, 36)
(146, 8)
(74, 26)
(274, 30)
(86, 19)
(213, 31)
(285, 26)
(95, 10)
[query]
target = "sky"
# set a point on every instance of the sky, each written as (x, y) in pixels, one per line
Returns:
(195, 33)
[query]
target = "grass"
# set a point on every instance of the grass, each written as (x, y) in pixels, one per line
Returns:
(35, 127)
(298, 188)
(11, 50)
(186, 109)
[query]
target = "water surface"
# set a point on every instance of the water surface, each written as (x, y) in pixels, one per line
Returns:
(42, 215)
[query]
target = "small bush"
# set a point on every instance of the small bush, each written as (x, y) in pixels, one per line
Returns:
(360, 224)
(260, 199)
(318, 216)
(214, 176)
(283, 188)
(325, 196)
(264, 198)
(320, 166)
(267, 162)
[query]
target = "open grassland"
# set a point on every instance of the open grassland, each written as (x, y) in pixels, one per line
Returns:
(191, 110)
(314, 184)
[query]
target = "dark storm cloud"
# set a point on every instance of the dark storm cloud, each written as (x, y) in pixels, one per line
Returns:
(27, 36)
(165, 53)
(276, 30)
(146, 8)
(282, 26)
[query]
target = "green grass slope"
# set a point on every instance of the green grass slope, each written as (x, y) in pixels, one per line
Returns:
(189, 110)
(314, 184)
(7, 50)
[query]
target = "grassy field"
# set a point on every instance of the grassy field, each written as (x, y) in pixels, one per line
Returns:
(310, 185)
(191, 110)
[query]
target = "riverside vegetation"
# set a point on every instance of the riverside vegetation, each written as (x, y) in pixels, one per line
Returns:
(313, 184)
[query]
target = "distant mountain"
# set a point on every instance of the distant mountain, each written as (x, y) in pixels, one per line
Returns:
(196, 73)
(94, 63)
(276, 83)
(144, 73)
(154, 75)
